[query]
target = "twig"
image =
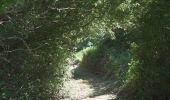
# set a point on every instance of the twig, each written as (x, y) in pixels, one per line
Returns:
(24, 42)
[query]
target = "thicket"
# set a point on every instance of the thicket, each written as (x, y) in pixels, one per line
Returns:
(149, 75)
(147, 24)
(36, 36)
(110, 57)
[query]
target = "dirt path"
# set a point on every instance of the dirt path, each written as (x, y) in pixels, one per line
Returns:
(87, 86)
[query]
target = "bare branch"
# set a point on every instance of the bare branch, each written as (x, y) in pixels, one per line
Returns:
(15, 50)
(24, 42)
(60, 9)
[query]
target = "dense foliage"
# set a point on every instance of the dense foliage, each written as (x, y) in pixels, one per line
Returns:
(110, 57)
(147, 25)
(148, 73)
(36, 36)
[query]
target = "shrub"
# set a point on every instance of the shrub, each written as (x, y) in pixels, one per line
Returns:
(148, 75)
(107, 59)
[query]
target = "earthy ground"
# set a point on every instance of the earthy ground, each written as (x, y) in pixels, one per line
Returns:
(87, 86)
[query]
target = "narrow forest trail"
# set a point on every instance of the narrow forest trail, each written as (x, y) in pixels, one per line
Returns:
(87, 86)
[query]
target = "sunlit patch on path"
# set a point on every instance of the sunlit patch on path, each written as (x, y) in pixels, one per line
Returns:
(87, 86)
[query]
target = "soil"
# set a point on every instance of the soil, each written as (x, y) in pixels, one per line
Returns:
(87, 86)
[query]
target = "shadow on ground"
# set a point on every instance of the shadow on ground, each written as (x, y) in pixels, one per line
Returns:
(97, 82)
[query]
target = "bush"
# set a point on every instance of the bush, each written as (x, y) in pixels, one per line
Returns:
(148, 75)
(107, 59)
(91, 59)
(36, 37)
(32, 76)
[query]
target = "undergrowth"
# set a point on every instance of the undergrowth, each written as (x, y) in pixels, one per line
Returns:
(107, 59)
